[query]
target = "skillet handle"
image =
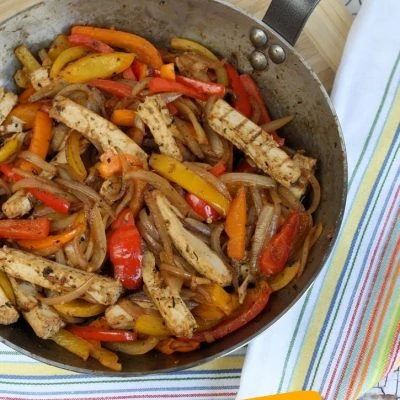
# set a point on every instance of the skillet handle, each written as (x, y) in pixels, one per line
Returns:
(287, 17)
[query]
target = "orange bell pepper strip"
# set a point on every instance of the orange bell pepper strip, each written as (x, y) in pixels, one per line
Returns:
(254, 303)
(37, 228)
(171, 345)
(235, 225)
(145, 51)
(7, 288)
(24, 96)
(123, 117)
(276, 252)
(25, 112)
(111, 163)
(40, 140)
(167, 71)
(52, 243)
(218, 169)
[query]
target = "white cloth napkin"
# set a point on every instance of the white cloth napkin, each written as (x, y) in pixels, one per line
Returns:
(343, 335)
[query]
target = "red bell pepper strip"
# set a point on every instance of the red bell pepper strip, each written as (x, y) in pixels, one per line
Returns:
(253, 304)
(218, 169)
(210, 88)
(129, 74)
(253, 91)
(57, 203)
(38, 228)
(241, 101)
(124, 248)
(202, 208)
(160, 85)
(141, 70)
(101, 334)
(173, 110)
(276, 252)
(87, 41)
(116, 88)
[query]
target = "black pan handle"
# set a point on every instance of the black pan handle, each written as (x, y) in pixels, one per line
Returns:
(287, 17)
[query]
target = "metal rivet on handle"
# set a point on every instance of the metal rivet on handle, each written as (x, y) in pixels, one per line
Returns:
(258, 37)
(258, 60)
(277, 54)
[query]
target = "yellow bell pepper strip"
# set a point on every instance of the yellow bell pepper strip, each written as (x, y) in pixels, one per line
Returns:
(190, 45)
(123, 117)
(145, 51)
(26, 58)
(301, 395)
(25, 112)
(52, 243)
(80, 308)
(93, 66)
(72, 343)
(40, 140)
(135, 348)
(10, 147)
(219, 297)
(208, 312)
(283, 278)
(167, 71)
(73, 155)
(235, 225)
(68, 55)
(171, 345)
(25, 229)
(59, 44)
(254, 303)
(5, 285)
(175, 171)
(152, 325)
(105, 357)
(110, 163)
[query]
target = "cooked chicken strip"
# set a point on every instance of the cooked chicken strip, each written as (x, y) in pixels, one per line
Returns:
(25, 294)
(7, 101)
(254, 142)
(17, 205)
(51, 275)
(40, 78)
(101, 132)
(307, 165)
(192, 249)
(8, 313)
(118, 318)
(155, 115)
(43, 319)
(177, 316)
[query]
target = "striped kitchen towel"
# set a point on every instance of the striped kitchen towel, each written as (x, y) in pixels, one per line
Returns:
(344, 334)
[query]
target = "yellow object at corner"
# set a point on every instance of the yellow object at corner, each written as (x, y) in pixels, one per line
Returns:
(302, 395)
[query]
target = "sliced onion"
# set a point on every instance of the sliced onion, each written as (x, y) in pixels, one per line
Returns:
(82, 262)
(257, 200)
(64, 222)
(29, 183)
(215, 140)
(188, 139)
(197, 226)
(48, 91)
(263, 222)
(148, 225)
(126, 199)
(245, 178)
(67, 297)
(134, 348)
(210, 178)
(215, 241)
(316, 196)
(141, 85)
(277, 123)
(99, 240)
(170, 96)
(159, 223)
(82, 189)
(189, 114)
(256, 110)
(189, 103)
(289, 199)
(60, 257)
(6, 188)
(152, 243)
(164, 186)
(38, 161)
